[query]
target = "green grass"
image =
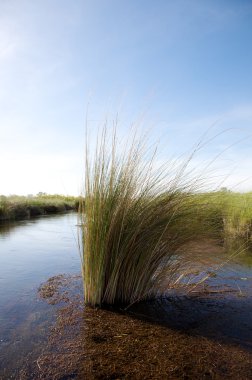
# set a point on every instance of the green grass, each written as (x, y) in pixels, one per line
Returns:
(137, 222)
(237, 216)
(20, 207)
(232, 212)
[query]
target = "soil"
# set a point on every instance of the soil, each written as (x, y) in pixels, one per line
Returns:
(205, 335)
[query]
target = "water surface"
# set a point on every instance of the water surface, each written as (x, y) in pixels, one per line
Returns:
(31, 252)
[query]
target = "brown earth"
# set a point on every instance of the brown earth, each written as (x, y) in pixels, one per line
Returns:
(88, 343)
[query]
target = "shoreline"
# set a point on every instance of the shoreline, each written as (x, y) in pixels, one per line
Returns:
(16, 208)
(100, 343)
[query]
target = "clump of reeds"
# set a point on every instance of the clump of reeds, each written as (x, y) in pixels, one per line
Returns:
(136, 221)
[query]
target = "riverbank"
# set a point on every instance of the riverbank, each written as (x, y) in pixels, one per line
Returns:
(201, 336)
(99, 344)
(25, 207)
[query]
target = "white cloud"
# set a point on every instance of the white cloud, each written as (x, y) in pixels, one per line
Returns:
(34, 173)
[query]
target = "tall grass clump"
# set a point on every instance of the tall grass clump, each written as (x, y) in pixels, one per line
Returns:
(136, 221)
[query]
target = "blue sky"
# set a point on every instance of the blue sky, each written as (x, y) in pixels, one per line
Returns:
(184, 65)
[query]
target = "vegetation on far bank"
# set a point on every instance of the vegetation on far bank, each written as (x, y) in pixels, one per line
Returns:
(16, 207)
(237, 216)
(232, 212)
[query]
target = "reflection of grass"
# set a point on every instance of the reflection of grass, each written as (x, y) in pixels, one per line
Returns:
(136, 223)
(20, 207)
(246, 259)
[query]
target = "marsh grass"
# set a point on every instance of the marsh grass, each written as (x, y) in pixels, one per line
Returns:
(137, 220)
(22, 207)
(237, 217)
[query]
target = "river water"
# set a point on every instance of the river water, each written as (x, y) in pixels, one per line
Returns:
(32, 251)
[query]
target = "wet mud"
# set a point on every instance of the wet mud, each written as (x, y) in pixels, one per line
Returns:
(205, 335)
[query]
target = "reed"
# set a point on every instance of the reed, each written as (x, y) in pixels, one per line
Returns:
(136, 221)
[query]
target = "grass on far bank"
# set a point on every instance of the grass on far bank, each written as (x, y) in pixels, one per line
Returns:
(16, 207)
(237, 216)
(232, 213)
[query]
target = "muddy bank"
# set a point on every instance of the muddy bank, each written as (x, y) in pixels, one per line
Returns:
(175, 338)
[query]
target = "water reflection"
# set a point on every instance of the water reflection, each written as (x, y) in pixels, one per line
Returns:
(30, 252)
(246, 259)
(34, 250)
(241, 250)
(8, 227)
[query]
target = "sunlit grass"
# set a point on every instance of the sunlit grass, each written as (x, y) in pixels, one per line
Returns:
(237, 216)
(137, 220)
(21, 207)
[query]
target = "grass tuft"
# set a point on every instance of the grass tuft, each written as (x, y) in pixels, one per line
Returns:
(137, 220)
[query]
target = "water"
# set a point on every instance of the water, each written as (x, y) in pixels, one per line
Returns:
(31, 252)
(220, 308)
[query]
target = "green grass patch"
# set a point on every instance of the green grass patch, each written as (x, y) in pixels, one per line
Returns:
(16, 207)
(237, 216)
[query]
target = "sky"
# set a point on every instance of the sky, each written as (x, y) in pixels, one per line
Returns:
(184, 68)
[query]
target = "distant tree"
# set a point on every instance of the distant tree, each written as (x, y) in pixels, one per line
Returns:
(41, 194)
(225, 190)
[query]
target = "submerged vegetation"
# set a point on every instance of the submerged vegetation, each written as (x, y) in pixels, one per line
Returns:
(137, 222)
(16, 207)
